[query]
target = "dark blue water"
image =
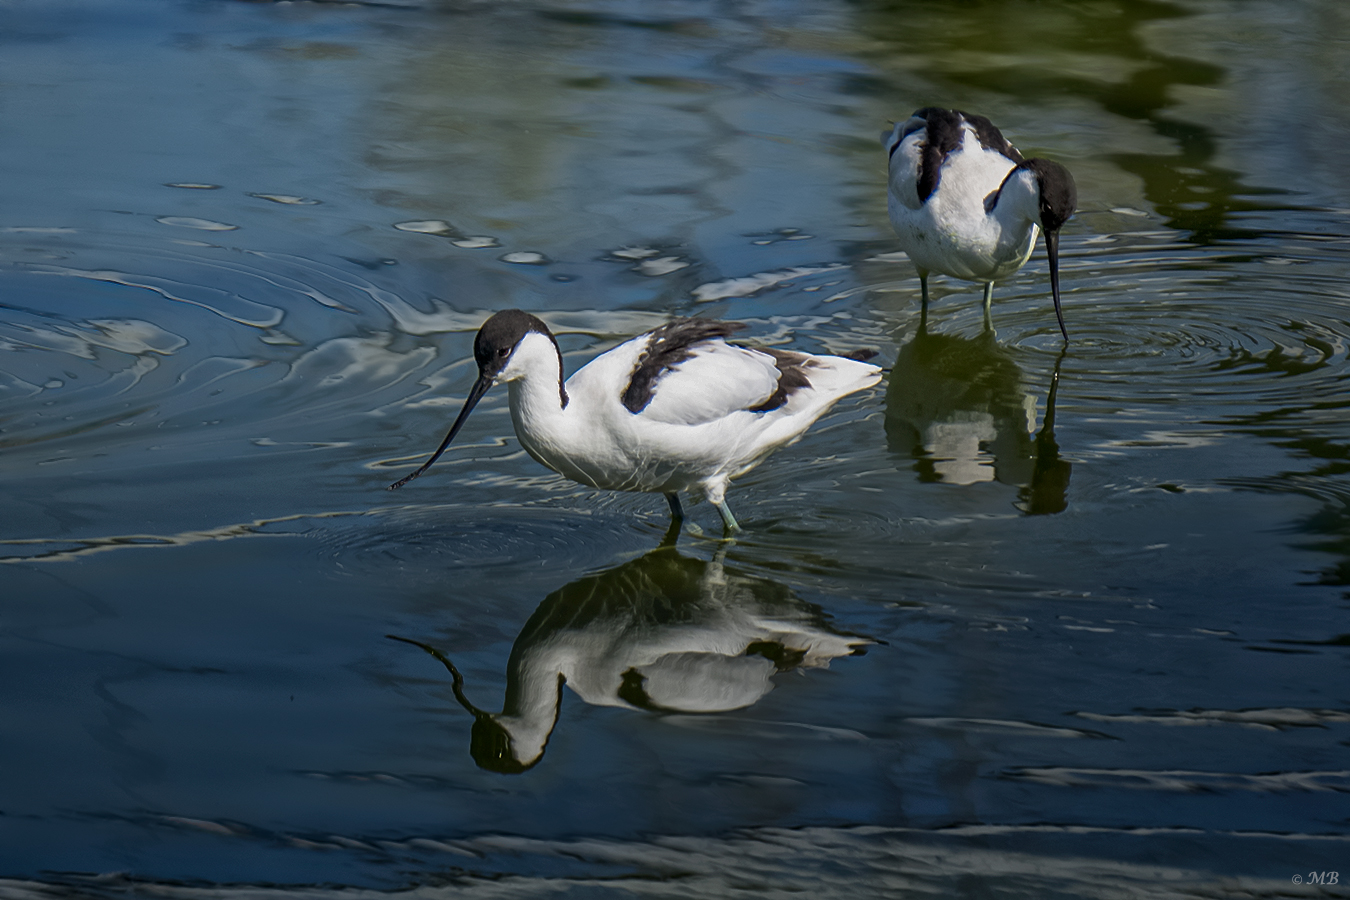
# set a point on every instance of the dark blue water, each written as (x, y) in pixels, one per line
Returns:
(1023, 621)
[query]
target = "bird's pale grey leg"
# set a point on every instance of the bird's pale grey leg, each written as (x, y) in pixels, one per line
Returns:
(727, 518)
(988, 306)
(716, 491)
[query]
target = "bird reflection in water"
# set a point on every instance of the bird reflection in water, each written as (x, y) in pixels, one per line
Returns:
(664, 632)
(1048, 490)
(957, 407)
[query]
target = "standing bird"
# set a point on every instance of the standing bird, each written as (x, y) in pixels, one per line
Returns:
(964, 202)
(677, 407)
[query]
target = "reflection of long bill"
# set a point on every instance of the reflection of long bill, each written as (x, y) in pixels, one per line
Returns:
(1052, 250)
(456, 679)
(484, 382)
(491, 743)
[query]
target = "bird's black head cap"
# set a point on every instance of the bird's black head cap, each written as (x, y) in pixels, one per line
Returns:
(498, 338)
(1059, 194)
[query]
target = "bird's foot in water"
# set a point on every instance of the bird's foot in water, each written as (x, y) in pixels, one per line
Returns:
(728, 520)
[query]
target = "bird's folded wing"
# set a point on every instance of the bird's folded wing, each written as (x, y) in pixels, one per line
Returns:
(716, 381)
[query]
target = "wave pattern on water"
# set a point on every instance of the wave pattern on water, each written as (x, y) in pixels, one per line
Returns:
(454, 538)
(61, 549)
(812, 861)
(1150, 317)
(223, 341)
(1184, 780)
(1262, 719)
(1148, 324)
(287, 327)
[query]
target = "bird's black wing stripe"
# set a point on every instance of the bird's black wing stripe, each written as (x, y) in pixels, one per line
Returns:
(991, 138)
(791, 377)
(942, 136)
(667, 347)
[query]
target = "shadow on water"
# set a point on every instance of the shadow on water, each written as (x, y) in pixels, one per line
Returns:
(665, 633)
(959, 409)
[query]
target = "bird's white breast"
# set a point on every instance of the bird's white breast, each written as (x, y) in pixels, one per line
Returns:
(951, 232)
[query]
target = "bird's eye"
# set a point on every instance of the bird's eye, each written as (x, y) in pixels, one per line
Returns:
(504, 352)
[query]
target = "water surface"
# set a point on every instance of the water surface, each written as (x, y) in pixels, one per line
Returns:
(1023, 621)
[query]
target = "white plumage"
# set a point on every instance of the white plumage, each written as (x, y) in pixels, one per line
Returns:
(964, 202)
(676, 408)
(744, 377)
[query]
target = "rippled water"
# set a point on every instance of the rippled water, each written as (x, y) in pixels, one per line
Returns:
(1024, 621)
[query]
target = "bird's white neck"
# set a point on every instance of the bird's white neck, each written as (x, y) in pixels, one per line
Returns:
(554, 433)
(536, 362)
(1019, 201)
(534, 379)
(1016, 218)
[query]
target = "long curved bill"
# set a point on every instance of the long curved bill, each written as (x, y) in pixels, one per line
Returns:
(1052, 249)
(480, 387)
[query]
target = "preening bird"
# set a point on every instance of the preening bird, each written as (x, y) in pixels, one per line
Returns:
(964, 202)
(675, 408)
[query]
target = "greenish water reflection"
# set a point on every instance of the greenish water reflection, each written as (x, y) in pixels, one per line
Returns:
(1109, 56)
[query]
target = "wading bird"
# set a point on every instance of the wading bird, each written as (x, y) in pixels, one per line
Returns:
(677, 407)
(965, 203)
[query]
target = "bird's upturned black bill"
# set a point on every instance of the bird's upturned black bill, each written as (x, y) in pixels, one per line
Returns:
(480, 387)
(1052, 250)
